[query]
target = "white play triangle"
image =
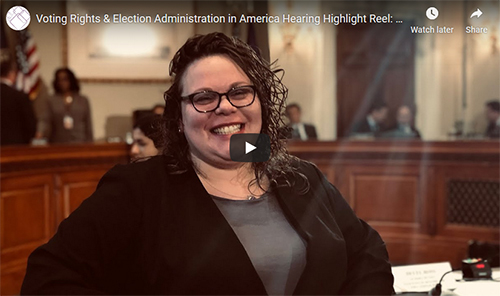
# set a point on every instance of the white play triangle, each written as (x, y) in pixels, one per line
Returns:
(249, 147)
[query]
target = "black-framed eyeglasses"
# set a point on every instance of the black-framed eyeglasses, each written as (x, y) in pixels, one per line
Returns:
(207, 100)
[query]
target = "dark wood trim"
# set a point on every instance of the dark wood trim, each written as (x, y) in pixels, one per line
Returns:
(463, 151)
(19, 160)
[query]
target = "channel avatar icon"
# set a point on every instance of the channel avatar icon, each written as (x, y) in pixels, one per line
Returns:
(18, 18)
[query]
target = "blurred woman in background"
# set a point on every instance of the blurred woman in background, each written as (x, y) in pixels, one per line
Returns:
(68, 117)
(147, 137)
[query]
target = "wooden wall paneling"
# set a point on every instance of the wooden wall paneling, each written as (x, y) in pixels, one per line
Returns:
(429, 200)
(472, 173)
(433, 240)
(27, 219)
(387, 197)
(75, 187)
(420, 250)
(27, 212)
(33, 180)
(12, 279)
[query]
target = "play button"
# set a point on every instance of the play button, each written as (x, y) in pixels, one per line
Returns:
(250, 147)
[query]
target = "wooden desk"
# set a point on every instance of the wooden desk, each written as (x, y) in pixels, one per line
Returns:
(426, 199)
(402, 188)
(40, 186)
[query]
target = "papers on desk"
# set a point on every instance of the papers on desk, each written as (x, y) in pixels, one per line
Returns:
(424, 277)
(418, 278)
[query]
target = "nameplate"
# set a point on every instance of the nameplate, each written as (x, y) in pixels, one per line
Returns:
(418, 278)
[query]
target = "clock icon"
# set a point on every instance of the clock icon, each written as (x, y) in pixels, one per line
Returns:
(432, 13)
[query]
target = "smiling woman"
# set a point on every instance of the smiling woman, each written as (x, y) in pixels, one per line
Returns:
(197, 68)
(209, 132)
(194, 222)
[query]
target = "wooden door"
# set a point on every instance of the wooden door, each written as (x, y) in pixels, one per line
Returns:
(27, 221)
(375, 62)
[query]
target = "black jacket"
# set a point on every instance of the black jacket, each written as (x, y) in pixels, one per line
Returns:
(493, 130)
(145, 231)
(310, 132)
(364, 127)
(18, 122)
(289, 132)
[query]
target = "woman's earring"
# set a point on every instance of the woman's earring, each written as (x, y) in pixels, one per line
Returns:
(180, 127)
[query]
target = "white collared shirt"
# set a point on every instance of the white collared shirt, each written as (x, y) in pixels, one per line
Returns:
(373, 124)
(300, 128)
(405, 128)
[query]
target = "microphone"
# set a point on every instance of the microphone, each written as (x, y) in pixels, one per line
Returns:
(436, 291)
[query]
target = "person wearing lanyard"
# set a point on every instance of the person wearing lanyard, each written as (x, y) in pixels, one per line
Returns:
(68, 119)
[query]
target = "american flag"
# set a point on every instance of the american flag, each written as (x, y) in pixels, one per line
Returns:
(28, 77)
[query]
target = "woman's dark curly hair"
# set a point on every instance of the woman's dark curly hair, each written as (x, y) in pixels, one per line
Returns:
(270, 90)
(74, 85)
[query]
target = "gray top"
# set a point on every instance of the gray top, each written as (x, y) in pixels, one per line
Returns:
(276, 250)
(79, 127)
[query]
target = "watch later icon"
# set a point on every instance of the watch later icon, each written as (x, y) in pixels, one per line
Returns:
(432, 13)
(477, 13)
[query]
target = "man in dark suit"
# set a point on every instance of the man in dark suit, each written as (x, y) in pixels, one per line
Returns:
(493, 115)
(371, 125)
(405, 127)
(18, 122)
(300, 131)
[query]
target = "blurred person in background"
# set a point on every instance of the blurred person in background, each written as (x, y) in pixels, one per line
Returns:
(372, 124)
(158, 109)
(18, 122)
(68, 117)
(405, 127)
(493, 116)
(300, 131)
(147, 137)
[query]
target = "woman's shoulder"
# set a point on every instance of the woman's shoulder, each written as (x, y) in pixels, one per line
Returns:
(304, 167)
(145, 168)
(139, 174)
(302, 175)
(145, 182)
